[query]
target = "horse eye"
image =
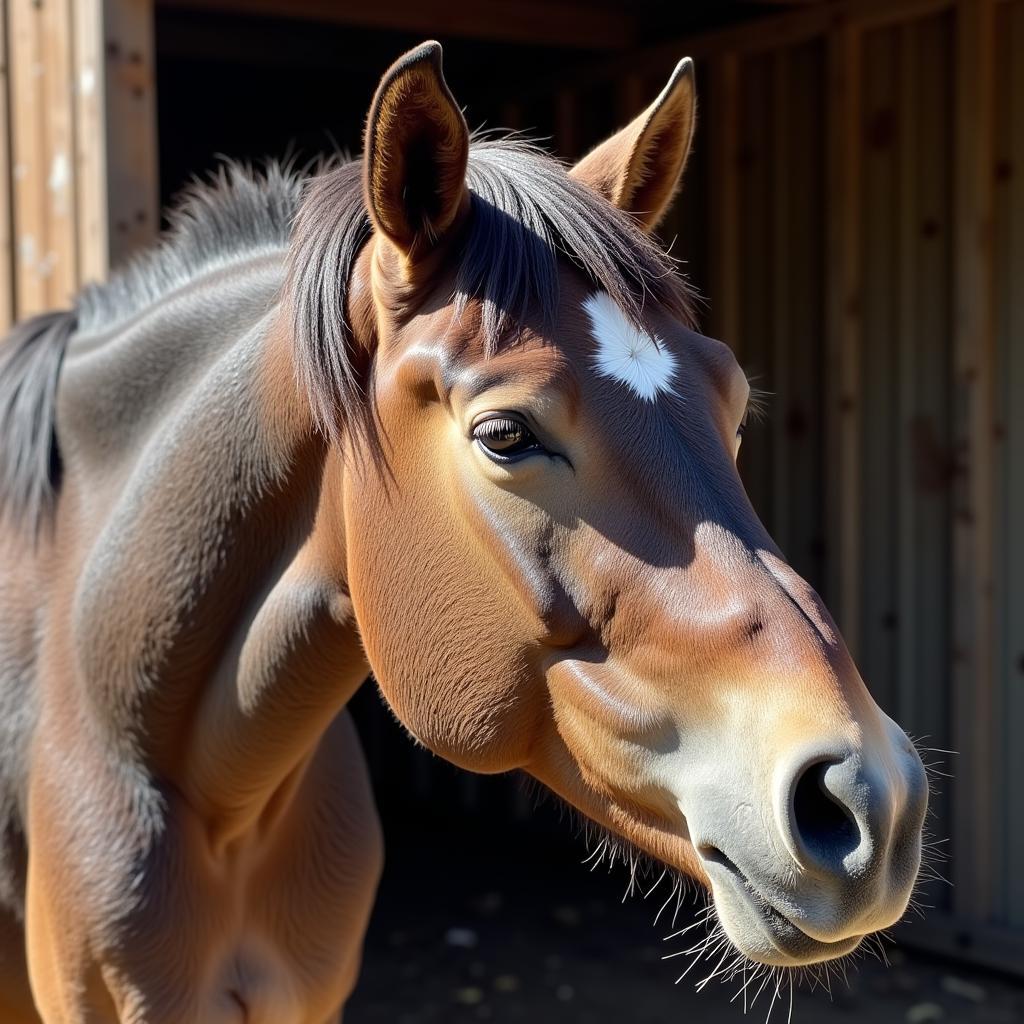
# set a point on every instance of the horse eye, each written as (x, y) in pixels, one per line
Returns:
(505, 437)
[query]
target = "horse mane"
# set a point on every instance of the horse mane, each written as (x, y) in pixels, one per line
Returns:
(236, 213)
(30, 466)
(526, 215)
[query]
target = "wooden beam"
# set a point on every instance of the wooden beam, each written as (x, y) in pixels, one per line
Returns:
(975, 719)
(6, 231)
(90, 145)
(34, 90)
(908, 141)
(844, 327)
(82, 145)
(133, 203)
(560, 24)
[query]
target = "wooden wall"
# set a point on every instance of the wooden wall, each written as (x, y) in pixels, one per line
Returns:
(78, 187)
(855, 210)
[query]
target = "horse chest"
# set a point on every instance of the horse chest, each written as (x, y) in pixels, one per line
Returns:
(266, 930)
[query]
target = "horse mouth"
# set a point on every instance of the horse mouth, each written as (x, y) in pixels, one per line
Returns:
(757, 927)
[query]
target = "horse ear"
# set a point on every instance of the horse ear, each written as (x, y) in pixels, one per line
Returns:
(417, 145)
(639, 168)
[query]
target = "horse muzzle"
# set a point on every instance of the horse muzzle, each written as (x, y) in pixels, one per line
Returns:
(828, 855)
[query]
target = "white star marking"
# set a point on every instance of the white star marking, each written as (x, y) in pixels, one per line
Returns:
(627, 354)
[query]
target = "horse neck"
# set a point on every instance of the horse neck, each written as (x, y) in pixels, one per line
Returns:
(293, 659)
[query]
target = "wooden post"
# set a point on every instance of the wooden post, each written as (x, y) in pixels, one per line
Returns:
(975, 719)
(83, 171)
(33, 80)
(6, 232)
(724, 243)
(781, 161)
(133, 195)
(90, 142)
(843, 412)
(908, 141)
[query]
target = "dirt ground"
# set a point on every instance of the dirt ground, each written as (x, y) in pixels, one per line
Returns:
(492, 927)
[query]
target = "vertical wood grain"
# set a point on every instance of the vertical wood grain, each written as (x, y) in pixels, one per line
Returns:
(779, 271)
(1009, 441)
(131, 138)
(973, 394)
(723, 130)
(7, 310)
(843, 319)
(30, 170)
(90, 141)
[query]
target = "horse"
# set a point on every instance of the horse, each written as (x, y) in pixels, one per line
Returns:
(440, 414)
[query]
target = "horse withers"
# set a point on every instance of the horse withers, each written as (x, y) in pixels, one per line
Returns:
(439, 414)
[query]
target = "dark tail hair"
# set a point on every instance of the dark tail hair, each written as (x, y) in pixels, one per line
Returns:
(30, 361)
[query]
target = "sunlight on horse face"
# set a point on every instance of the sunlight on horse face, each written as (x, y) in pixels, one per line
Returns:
(583, 588)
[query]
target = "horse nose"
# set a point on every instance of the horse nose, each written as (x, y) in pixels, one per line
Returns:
(844, 812)
(832, 816)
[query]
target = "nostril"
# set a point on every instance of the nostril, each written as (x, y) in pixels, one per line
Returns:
(825, 827)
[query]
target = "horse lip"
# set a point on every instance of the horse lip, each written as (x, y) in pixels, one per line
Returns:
(772, 920)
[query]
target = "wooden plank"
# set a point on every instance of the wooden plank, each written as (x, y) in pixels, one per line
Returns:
(1009, 263)
(59, 133)
(908, 343)
(801, 159)
(973, 392)
(7, 310)
(779, 271)
(758, 454)
(575, 25)
(879, 346)
(130, 118)
(1013, 447)
(29, 156)
(723, 127)
(83, 142)
(90, 141)
(843, 320)
(925, 314)
(42, 154)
